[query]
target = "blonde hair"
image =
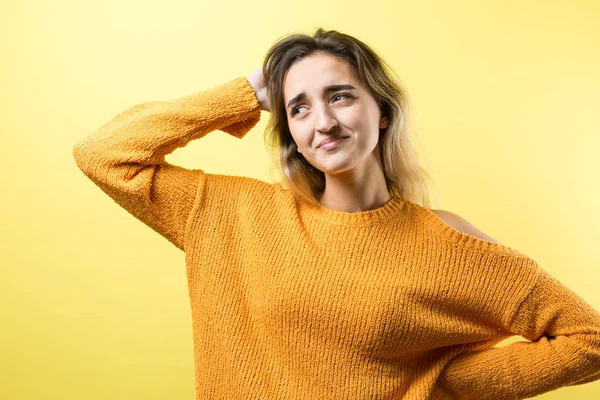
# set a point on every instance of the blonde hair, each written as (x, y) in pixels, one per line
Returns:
(404, 175)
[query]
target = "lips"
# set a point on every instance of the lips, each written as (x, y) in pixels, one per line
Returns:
(331, 139)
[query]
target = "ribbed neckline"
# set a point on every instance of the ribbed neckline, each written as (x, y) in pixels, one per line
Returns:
(394, 207)
(463, 239)
(362, 218)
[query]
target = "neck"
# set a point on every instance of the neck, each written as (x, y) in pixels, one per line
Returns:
(356, 190)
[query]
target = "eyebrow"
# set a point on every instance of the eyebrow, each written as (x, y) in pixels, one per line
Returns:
(328, 89)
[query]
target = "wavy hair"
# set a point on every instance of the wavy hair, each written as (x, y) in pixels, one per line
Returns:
(404, 175)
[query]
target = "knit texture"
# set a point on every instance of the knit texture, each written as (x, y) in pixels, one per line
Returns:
(296, 301)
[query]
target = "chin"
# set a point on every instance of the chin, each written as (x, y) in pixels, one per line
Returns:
(336, 163)
(336, 169)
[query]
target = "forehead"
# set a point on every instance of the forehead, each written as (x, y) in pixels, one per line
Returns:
(315, 72)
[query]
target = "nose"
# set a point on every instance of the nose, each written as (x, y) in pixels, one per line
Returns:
(325, 120)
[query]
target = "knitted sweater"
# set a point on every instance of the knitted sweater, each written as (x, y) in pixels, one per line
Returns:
(296, 301)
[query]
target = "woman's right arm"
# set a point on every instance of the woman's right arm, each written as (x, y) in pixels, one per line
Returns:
(126, 156)
(258, 83)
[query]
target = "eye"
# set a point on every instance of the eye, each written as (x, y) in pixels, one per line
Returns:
(344, 94)
(295, 109)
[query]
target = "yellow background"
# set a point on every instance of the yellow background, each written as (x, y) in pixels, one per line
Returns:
(95, 304)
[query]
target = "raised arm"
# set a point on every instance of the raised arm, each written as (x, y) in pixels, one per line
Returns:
(126, 156)
(564, 349)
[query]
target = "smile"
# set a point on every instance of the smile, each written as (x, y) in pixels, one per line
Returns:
(333, 144)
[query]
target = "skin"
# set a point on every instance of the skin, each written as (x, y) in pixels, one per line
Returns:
(353, 171)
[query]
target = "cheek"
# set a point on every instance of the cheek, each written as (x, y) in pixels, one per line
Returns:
(295, 137)
(359, 118)
(358, 121)
(367, 132)
(301, 137)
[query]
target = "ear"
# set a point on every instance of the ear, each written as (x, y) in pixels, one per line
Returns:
(383, 123)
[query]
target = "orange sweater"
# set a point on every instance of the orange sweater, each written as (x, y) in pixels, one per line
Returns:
(292, 301)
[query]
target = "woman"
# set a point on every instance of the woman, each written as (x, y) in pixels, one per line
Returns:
(336, 283)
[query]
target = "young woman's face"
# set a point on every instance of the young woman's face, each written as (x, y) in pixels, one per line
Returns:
(325, 111)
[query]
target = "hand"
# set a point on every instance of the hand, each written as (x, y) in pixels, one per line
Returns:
(257, 81)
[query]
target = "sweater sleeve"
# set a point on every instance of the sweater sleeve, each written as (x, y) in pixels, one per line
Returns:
(563, 349)
(126, 156)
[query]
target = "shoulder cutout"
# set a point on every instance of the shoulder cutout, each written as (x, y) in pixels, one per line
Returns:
(462, 225)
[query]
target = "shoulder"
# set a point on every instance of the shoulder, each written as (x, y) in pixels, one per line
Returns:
(462, 225)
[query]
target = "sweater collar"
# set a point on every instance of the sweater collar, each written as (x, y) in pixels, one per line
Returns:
(369, 217)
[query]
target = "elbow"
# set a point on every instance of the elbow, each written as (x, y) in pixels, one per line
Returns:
(79, 149)
(85, 156)
(80, 154)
